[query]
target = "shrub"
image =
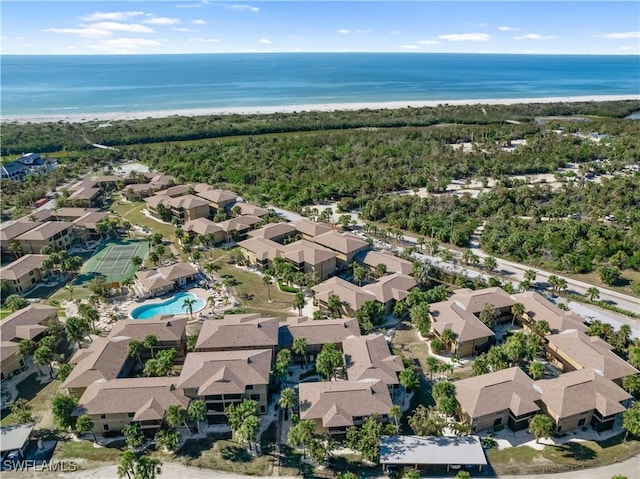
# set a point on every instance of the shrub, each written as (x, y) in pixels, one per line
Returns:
(436, 346)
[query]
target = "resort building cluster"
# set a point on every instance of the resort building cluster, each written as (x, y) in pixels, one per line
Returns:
(233, 358)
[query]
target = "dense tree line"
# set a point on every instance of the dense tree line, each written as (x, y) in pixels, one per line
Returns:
(48, 137)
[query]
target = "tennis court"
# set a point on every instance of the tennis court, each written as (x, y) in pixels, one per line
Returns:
(113, 261)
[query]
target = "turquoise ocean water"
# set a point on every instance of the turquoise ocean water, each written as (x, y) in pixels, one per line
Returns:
(53, 85)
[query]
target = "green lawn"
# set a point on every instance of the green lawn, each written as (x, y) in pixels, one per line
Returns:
(88, 451)
(250, 290)
(564, 457)
(222, 455)
(132, 212)
(4, 312)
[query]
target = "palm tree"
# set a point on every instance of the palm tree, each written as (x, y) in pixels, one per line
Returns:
(299, 302)
(553, 282)
(135, 348)
(16, 249)
(334, 304)
(396, 414)
(126, 467)
(536, 370)
(593, 293)
(136, 261)
(490, 263)
(76, 328)
(188, 305)
(517, 309)
(44, 356)
(69, 288)
(541, 426)
(448, 338)
(147, 467)
(530, 275)
(562, 284)
(300, 347)
(287, 399)
(177, 415)
(26, 347)
(197, 411)
(150, 341)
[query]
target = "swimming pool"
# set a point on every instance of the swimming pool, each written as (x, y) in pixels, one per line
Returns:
(173, 305)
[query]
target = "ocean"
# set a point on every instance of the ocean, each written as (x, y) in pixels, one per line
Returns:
(58, 85)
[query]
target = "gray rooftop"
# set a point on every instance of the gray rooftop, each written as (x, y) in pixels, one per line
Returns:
(14, 437)
(431, 450)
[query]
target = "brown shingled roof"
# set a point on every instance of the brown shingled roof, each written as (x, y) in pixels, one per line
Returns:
(336, 403)
(391, 261)
(22, 266)
(9, 231)
(368, 357)
(392, 286)
(201, 226)
(352, 295)
(317, 332)
(311, 228)
(103, 359)
(475, 301)
(579, 391)
(342, 242)
(225, 372)
(273, 230)
(449, 315)
(26, 323)
(304, 251)
(591, 352)
(44, 231)
(147, 398)
(490, 393)
(262, 248)
(164, 328)
(539, 308)
(238, 330)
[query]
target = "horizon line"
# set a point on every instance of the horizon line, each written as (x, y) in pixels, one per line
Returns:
(315, 52)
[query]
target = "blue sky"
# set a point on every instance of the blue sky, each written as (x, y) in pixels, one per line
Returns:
(114, 27)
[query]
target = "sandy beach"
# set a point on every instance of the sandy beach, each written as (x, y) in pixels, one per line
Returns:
(137, 115)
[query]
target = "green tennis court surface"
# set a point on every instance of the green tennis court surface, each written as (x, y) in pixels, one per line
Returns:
(113, 261)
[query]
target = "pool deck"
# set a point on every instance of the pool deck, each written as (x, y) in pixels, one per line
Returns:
(199, 292)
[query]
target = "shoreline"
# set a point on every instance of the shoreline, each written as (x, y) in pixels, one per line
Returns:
(252, 110)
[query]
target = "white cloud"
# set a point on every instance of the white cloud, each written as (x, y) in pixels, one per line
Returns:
(465, 37)
(121, 27)
(535, 36)
(188, 5)
(199, 22)
(265, 41)
(124, 45)
(245, 8)
(509, 29)
(204, 40)
(409, 47)
(344, 31)
(395, 32)
(162, 21)
(84, 32)
(628, 48)
(181, 29)
(620, 36)
(113, 16)
(429, 42)
(362, 31)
